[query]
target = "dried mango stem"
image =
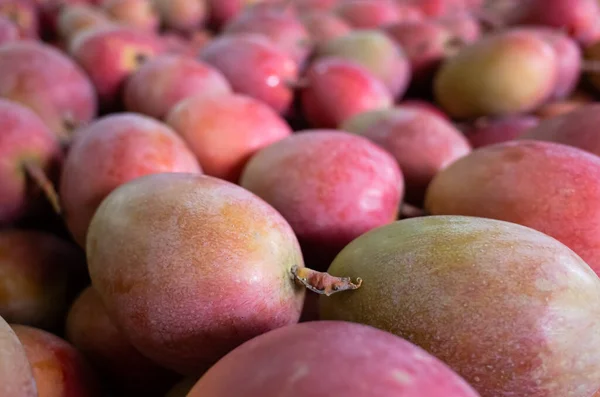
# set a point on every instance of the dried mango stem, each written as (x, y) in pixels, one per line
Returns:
(324, 283)
(36, 173)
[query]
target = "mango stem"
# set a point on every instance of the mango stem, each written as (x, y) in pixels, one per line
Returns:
(36, 173)
(324, 283)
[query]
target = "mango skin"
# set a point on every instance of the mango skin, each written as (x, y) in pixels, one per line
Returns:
(190, 266)
(511, 310)
(326, 359)
(58, 368)
(375, 51)
(90, 330)
(502, 74)
(577, 128)
(547, 186)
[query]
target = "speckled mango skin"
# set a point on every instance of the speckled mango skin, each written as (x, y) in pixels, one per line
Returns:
(330, 358)
(547, 186)
(111, 151)
(16, 376)
(331, 186)
(191, 266)
(422, 143)
(510, 309)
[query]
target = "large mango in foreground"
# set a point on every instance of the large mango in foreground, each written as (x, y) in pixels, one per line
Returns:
(512, 310)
